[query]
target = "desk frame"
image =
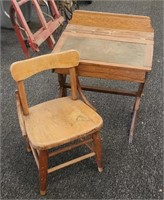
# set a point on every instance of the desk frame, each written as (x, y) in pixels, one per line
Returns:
(113, 71)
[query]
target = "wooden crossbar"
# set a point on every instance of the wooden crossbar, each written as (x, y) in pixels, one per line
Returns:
(89, 146)
(71, 162)
(54, 153)
(105, 90)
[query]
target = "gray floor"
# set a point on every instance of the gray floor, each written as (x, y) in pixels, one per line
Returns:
(130, 171)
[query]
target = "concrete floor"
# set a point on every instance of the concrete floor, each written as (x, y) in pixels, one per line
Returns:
(130, 171)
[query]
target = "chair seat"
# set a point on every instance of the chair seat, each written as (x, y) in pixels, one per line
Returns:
(59, 121)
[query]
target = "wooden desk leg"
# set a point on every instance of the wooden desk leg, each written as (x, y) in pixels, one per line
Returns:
(135, 109)
(62, 91)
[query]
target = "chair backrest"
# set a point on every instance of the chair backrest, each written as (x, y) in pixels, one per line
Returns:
(24, 69)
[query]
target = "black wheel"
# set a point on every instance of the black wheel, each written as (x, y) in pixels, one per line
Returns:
(89, 2)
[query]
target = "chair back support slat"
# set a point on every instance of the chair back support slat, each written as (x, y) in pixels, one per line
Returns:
(22, 70)
(73, 77)
(23, 98)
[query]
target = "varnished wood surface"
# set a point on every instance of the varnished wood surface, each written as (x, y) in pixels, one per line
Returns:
(23, 98)
(112, 21)
(128, 64)
(26, 68)
(107, 51)
(98, 70)
(125, 52)
(109, 48)
(71, 162)
(55, 122)
(20, 114)
(116, 33)
(59, 121)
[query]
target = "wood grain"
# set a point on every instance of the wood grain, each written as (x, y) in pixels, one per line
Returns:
(59, 121)
(113, 72)
(74, 28)
(20, 114)
(73, 83)
(71, 162)
(22, 70)
(98, 150)
(23, 98)
(43, 171)
(112, 21)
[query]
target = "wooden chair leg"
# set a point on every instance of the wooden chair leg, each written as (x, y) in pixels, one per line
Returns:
(98, 150)
(43, 170)
(28, 145)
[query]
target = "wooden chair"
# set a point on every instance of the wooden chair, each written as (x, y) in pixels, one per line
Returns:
(56, 122)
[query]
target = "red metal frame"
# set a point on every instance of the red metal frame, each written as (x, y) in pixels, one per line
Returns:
(44, 33)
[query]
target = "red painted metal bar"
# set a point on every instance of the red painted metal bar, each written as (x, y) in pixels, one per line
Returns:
(54, 9)
(52, 26)
(38, 10)
(22, 19)
(22, 42)
(15, 8)
(40, 14)
(22, 2)
(34, 40)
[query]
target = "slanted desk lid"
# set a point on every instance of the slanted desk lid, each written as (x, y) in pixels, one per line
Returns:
(95, 49)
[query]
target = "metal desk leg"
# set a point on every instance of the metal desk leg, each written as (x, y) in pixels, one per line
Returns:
(135, 109)
(62, 91)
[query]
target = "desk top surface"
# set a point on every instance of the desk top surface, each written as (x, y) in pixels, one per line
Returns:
(106, 50)
(102, 43)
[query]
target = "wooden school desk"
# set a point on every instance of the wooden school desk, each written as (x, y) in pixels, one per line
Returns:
(111, 46)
